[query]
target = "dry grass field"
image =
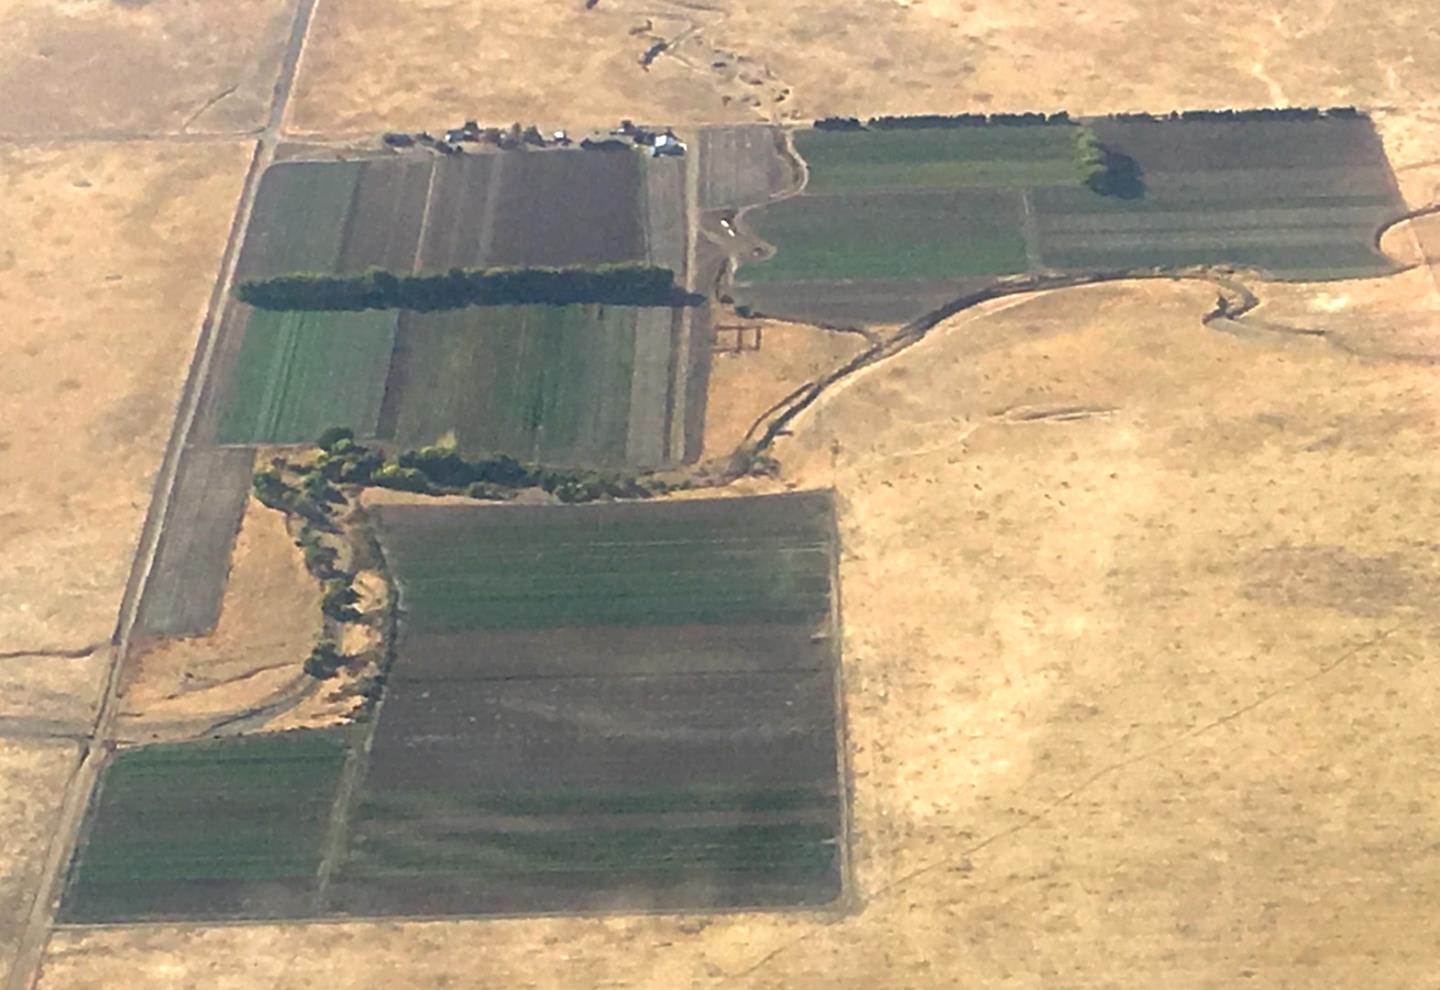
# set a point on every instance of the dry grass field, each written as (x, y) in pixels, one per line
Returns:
(33, 775)
(745, 383)
(103, 283)
(1136, 615)
(72, 67)
(373, 64)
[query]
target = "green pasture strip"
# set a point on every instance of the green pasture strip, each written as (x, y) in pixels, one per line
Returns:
(940, 158)
(242, 809)
(304, 223)
(469, 581)
(298, 373)
(937, 235)
(541, 383)
(416, 806)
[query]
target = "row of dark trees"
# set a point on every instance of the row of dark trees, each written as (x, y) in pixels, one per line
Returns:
(615, 285)
(930, 120)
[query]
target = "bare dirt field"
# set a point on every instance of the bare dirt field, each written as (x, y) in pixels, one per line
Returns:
(68, 67)
(104, 278)
(737, 60)
(269, 620)
(1136, 615)
(33, 775)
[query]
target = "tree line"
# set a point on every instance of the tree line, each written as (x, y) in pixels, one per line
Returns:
(614, 285)
(929, 120)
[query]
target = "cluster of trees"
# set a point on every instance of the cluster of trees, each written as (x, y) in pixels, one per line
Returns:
(442, 470)
(615, 285)
(1106, 171)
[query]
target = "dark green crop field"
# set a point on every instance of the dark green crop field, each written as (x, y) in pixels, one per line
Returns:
(299, 372)
(914, 236)
(211, 829)
(923, 209)
(684, 563)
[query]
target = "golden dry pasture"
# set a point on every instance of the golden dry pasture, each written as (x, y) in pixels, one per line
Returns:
(112, 255)
(373, 64)
(78, 67)
(1136, 618)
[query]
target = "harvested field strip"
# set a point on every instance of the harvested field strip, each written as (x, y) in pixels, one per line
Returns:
(300, 372)
(929, 235)
(940, 158)
(461, 207)
(791, 846)
(213, 829)
(569, 208)
(302, 210)
(606, 801)
(542, 383)
(384, 227)
(187, 583)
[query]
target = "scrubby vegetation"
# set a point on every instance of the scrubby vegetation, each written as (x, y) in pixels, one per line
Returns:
(615, 285)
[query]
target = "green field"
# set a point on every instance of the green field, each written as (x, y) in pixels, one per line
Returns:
(549, 384)
(920, 235)
(207, 828)
(940, 158)
(300, 372)
(504, 571)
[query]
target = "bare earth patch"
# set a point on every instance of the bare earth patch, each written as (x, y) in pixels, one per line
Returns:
(33, 775)
(745, 383)
(111, 255)
(269, 620)
(68, 67)
(1136, 615)
(372, 64)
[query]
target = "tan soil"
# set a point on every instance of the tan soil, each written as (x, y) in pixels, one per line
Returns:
(110, 255)
(33, 775)
(269, 620)
(744, 384)
(71, 67)
(372, 64)
(1136, 615)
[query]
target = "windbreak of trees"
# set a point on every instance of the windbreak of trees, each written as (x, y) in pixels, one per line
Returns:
(614, 285)
(1061, 117)
(930, 120)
